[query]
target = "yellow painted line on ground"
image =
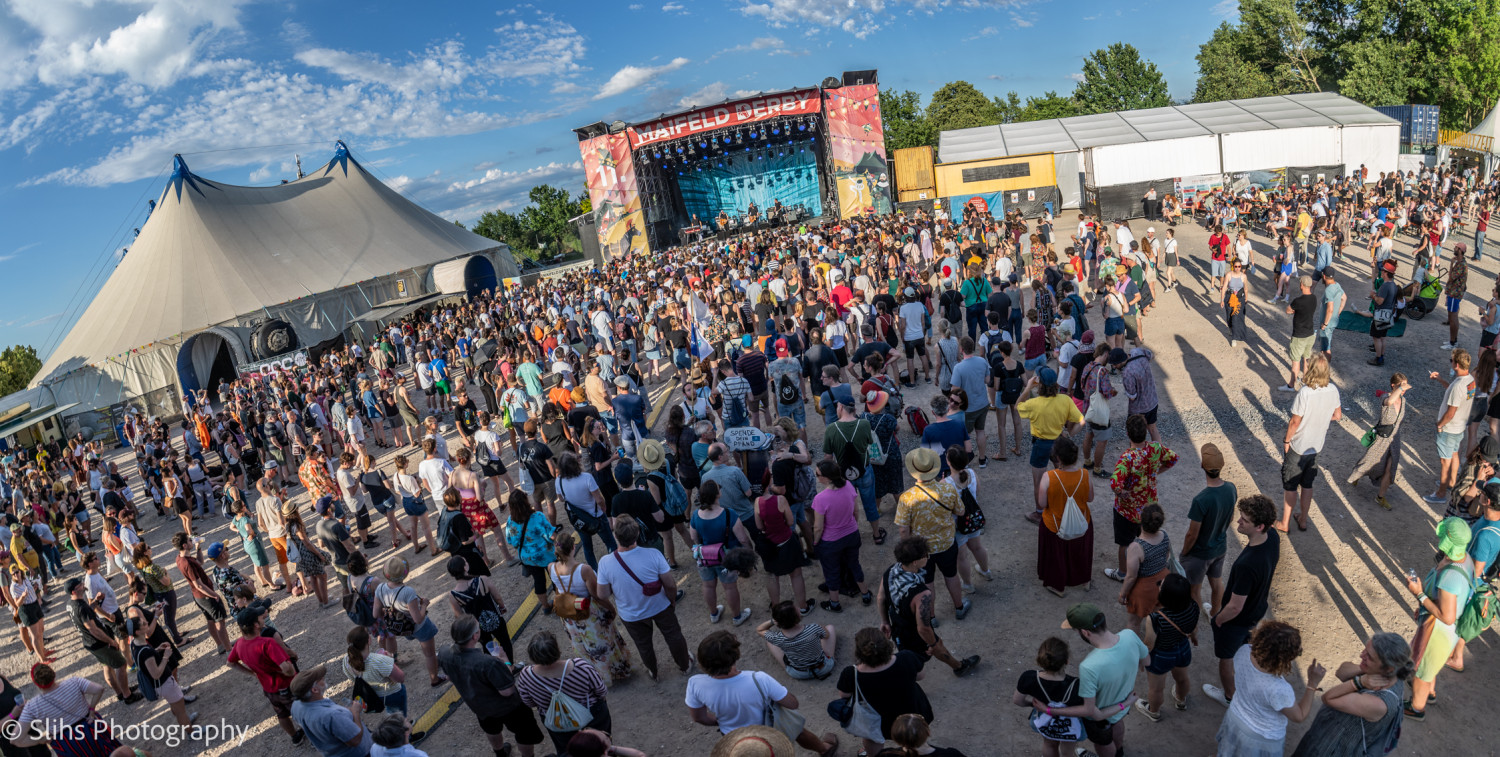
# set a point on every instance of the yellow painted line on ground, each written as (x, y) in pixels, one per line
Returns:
(450, 700)
(660, 405)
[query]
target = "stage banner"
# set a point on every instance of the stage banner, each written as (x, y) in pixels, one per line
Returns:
(610, 172)
(857, 143)
(1187, 188)
(803, 102)
(1272, 177)
(990, 204)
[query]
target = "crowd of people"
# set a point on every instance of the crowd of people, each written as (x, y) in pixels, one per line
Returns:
(592, 448)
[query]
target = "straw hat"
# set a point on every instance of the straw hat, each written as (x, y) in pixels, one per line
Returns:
(923, 464)
(754, 741)
(695, 375)
(651, 454)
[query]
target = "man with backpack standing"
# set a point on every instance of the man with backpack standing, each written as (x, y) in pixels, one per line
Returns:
(972, 375)
(786, 381)
(848, 441)
(976, 292)
(735, 391)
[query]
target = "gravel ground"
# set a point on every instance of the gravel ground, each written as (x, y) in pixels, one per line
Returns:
(1337, 582)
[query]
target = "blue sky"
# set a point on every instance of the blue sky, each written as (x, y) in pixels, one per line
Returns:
(462, 106)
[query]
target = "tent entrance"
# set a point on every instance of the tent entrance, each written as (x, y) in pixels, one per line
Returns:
(204, 360)
(479, 276)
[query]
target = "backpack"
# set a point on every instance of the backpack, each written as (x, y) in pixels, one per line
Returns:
(397, 621)
(972, 521)
(735, 415)
(848, 457)
(804, 485)
(309, 419)
(953, 306)
(787, 391)
(564, 713)
(445, 531)
(917, 418)
(482, 453)
(1478, 612)
(1010, 386)
(888, 385)
(359, 607)
(674, 499)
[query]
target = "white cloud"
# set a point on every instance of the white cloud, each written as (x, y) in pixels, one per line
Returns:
(636, 6)
(566, 88)
(544, 47)
(1225, 8)
(710, 94)
(152, 42)
(857, 17)
(46, 319)
(441, 67)
(631, 77)
(988, 31)
(1024, 23)
(1075, 76)
(673, 8)
(465, 199)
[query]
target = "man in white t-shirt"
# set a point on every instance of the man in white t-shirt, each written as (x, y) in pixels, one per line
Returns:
(434, 471)
(644, 592)
(911, 317)
(726, 697)
(1315, 407)
(1453, 418)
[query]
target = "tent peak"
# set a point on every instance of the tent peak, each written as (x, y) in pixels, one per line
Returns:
(341, 158)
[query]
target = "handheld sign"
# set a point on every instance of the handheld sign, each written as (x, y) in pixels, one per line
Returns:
(746, 439)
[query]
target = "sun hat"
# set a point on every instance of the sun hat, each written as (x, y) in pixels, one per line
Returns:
(923, 464)
(875, 400)
(396, 569)
(1453, 538)
(754, 741)
(651, 454)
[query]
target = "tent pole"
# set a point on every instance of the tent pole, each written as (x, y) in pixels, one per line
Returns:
(366, 296)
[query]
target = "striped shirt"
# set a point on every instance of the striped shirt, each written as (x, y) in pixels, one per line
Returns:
(1139, 384)
(64, 704)
(579, 680)
(804, 650)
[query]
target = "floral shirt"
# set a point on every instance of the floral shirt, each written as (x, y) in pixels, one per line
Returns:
(317, 481)
(533, 541)
(1134, 482)
(226, 579)
(930, 510)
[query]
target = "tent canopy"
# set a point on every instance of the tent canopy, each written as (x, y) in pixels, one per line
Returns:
(211, 252)
(1153, 124)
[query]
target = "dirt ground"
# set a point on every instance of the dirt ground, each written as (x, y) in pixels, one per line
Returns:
(1338, 582)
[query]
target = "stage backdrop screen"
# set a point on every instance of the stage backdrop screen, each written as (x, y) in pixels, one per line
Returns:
(610, 173)
(791, 178)
(858, 144)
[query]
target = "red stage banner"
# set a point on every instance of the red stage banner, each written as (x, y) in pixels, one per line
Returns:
(804, 102)
(610, 173)
(856, 136)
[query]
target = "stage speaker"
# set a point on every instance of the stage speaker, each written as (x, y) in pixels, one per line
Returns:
(859, 77)
(832, 82)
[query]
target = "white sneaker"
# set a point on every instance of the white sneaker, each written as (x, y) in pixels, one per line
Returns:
(967, 588)
(1273, 300)
(1448, 346)
(1208, 608)
(1215, 693)
(718, 612)
(1115, 574)
(988, 576)
(1233, 343)
(743, 616)
(1285, 388)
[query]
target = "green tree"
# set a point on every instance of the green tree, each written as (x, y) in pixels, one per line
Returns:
(1378, 72)
(958, 105)
(903, 121)
(505, 227)
(1226, 71)
(18, 365)
(1008, 108)
(1118, 78)
(1049, 105)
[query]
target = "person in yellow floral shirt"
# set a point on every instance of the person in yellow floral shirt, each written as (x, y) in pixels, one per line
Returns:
(314, 475)
(1134, 484)
(930, 510)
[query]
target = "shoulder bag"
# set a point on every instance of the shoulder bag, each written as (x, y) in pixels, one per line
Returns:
(650, 589)
(863, 720)
(790, 722)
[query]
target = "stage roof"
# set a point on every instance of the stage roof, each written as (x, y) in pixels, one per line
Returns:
(1154, 124)
(211, 252)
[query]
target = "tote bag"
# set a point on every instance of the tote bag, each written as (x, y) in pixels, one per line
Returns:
(864, 721)
(788, 721)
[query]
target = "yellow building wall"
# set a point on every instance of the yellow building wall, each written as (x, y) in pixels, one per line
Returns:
(950, 181)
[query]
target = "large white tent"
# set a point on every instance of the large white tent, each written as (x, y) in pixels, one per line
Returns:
(1141, 146)
(222, 277)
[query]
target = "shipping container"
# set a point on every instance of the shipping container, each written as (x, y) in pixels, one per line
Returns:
(915, 195)
(914, 169)
(1419, 123)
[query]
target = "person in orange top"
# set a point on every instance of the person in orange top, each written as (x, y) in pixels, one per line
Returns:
(314, 476)
(1060, 562)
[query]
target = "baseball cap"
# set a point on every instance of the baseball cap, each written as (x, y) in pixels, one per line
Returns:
(249, 615)
(1088, 337)
(72, 584)
(1047, 376)
(781, 348)
(909, 292)
(1389, 266)
(1084, 616)
(1212, 458)
(1327, 272)
(1489, 449)
(215, 549)
(1117, 356)
(842, 394)
(1151, 228)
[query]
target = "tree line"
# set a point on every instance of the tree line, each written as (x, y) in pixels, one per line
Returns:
(540, 227)
(1377, 52)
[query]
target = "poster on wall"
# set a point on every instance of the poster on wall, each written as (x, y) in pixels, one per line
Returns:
(1187, 188)
(857, 144)
(990, 204)
(610, 173)
(1240, 182)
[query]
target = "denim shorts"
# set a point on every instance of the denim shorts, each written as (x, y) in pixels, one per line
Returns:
(807, 675)
(414, 506)
(1041, 452)
(718, 573)
(1448, 444)
(1163, 661)
(797, 412)
(425, 632)
(1113, 326)
(1218, 267)
(1033, 364)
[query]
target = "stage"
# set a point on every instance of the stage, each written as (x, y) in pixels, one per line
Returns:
(769, 161)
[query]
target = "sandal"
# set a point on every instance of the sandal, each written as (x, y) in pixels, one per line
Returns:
(439, 681)
(1406, 709)
(880, 537)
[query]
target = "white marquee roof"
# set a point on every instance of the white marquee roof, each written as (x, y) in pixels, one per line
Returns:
(1153, 124)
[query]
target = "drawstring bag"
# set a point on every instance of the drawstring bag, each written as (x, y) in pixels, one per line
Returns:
(1073, 525)
(1057, 727)
(564, 713)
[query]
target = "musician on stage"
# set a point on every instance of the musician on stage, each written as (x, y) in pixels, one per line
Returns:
(723, 220)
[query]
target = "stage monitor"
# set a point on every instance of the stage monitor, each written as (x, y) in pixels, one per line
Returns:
(852, 78)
